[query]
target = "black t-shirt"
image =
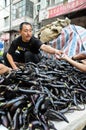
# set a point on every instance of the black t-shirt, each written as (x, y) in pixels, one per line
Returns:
(18, 45)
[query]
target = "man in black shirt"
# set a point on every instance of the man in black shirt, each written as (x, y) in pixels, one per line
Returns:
(26, 48)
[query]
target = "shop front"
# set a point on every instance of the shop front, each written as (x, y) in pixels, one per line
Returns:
(75, 10)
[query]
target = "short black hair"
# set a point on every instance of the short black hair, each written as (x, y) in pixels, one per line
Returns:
(21, 25)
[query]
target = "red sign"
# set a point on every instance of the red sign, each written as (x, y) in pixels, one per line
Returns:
(67, 8)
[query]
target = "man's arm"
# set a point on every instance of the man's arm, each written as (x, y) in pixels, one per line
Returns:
(51, 50)
(11, 61)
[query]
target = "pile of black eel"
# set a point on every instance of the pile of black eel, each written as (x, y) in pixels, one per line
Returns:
(37, 94)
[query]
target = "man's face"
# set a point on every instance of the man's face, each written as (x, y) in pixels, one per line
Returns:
(26, 32)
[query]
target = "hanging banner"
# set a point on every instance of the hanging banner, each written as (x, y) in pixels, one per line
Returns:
(67, 8)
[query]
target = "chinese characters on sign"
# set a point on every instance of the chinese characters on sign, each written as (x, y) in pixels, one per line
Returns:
(66, 8)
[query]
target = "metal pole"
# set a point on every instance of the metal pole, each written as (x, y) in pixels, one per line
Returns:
(10, 24)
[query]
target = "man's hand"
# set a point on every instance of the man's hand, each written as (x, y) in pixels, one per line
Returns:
(62, 57)
(58, 52)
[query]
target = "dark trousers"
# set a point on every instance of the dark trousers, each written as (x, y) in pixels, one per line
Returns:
(31, 57)
(28, 57)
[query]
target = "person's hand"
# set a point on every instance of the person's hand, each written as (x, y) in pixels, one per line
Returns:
(9, 69)
(16, 68)
(58, 54)
(80, 56)
(62, 57)
(83, 61)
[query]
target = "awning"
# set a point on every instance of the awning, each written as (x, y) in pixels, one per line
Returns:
(67, 8)
(10, 31)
